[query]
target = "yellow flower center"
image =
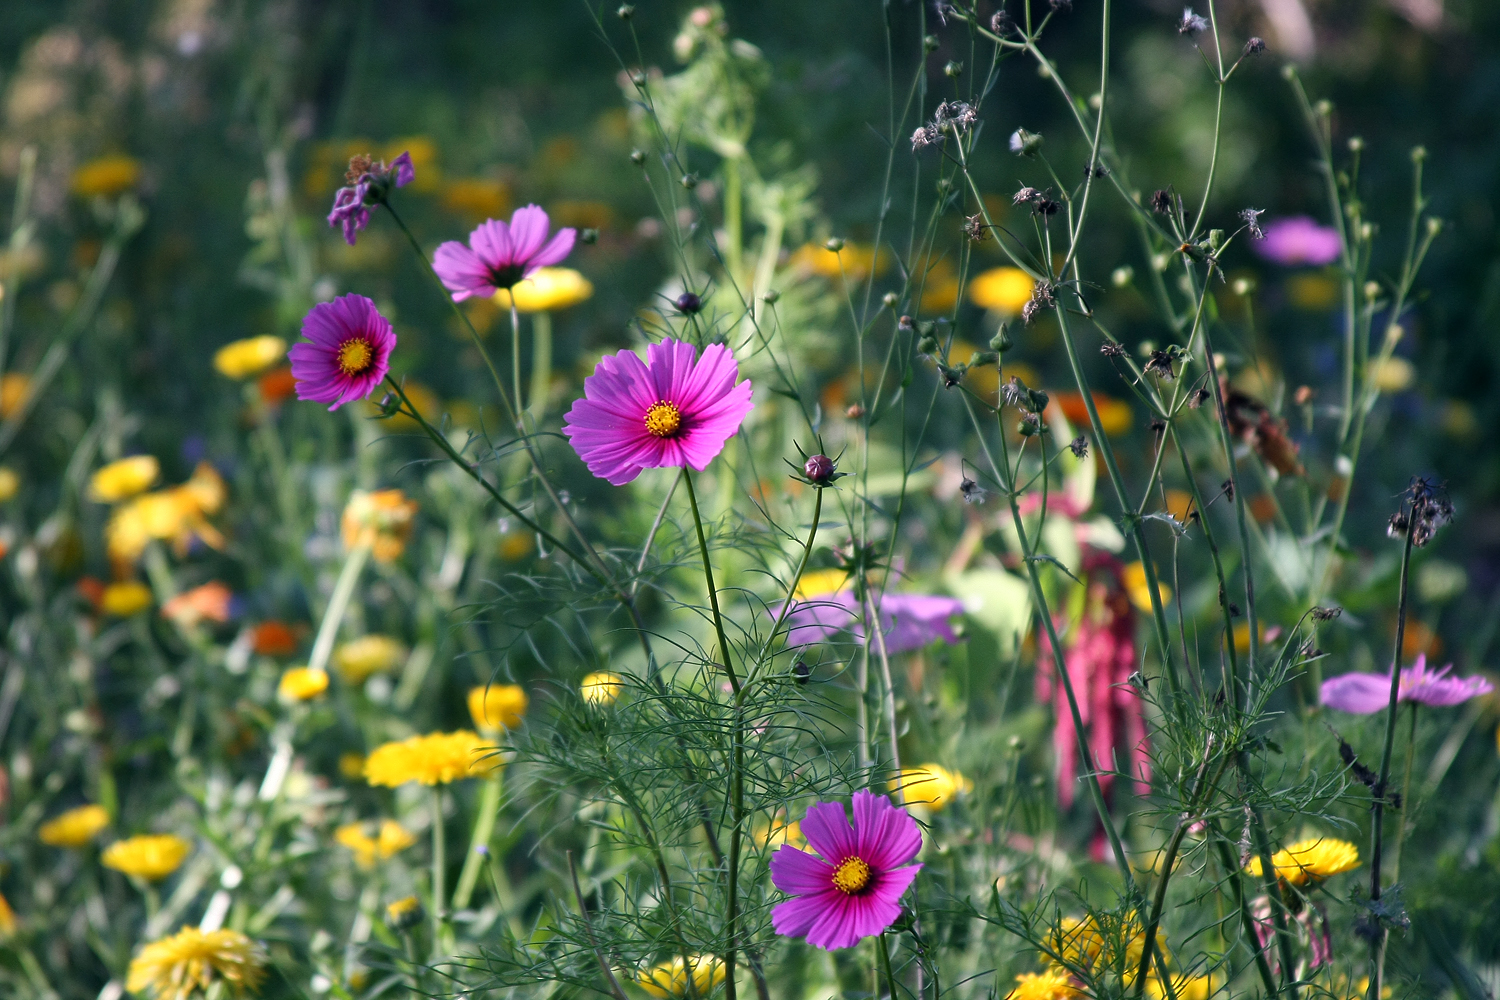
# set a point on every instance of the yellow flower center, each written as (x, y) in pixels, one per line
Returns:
(664, 419)
(851, 875)
(355, 356)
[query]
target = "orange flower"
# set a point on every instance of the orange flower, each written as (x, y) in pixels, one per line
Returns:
(382, 520)
(277, 385)
(273, 639)
(1115, 416)
(209, 602)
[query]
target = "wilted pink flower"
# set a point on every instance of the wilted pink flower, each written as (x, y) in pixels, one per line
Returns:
(1312, 931)
(498, 256)
(369, 183)
(1101, 658)
(348, 354)
(852, 891)
(1299, 240)
(676, 409)
(1364, 693)
(908, 621)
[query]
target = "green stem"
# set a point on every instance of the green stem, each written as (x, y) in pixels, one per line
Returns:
(439, 864)
(486, 810)
(1406, 807)
(541, 366)
(885, 964)
(338, 603)
(515, 359)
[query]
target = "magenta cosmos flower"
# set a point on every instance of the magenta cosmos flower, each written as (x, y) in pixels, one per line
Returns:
(1299, 240)
(908, 621)
(1365, 693)
(852, 890)
(369, 184)
(498, 256)
(348, 354)
(672, 410)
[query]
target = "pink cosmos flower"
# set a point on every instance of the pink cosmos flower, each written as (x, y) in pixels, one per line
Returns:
(498, 256)
(676, 409)
(851, 892)
(1299, 240)
(908, 621)
(348, 354)
(1364, 693)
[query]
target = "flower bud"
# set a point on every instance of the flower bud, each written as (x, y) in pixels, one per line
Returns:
(771, 297)
(637, 157)
(927, 345)
(819, 470)
(1024, 143)
(891, 300)
(588, 237)
(1122, 276)
(687, 303)
(1216, 239)
(638, 78)
(953, 68)
(689, 181)
(404, 914)
(1356, 144)
(801, 672)
(1243, 286)
(1372, 290)
(1001, 340)
(931, 43)
(625, 12)
(834, 244)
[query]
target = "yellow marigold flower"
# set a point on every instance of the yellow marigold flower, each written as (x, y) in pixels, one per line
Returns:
(8, 921)
(383, 843)
(1002, 289)
(74, 828)
(302, 684)
(820, 583)
(778, 832)
(478, 197)
(497, 706)
(10, 483)
(382, 520)
(670, 979)
(1081, 944)
(107, 176)
(932, 785)
(853, 261)
(1310, 860)
(1139, 591)
(434, 759)
(124, 479)
(1054, 984)
(601, 687)
(1241, 636)
(151, 856)
(125, 599)
(1186, 987)
(191, 960)
(15, 390)
(243, 359)
(548, 290)
(404, 913)
(369, 654)
(178, 515)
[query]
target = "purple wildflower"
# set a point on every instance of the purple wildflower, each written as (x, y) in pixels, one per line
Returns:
(370, 181)
(347, 352)
(1299, 240)
(908, 621)
(1365, 693)
(853, 890)
(499, 255)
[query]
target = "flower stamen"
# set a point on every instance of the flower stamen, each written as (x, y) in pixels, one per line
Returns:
(663, 419)
(355, 356)
(851, 876)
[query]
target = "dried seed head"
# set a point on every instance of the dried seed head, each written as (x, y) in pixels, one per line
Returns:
(1110, 349)
(971, 491)
(1255, 46)
(1161, 201)
(1079, 446)
(1190, 23)
(1251, 217)
(1198, 398)
(975, 229)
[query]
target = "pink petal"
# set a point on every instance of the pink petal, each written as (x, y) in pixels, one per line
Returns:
(494, 244)
(827, 831)
(556, 250)
(1360, 693)
(528, 231)
(461, 271)
(796, 872)
(885, 835)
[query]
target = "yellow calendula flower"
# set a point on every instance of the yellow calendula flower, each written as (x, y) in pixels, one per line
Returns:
(382, 520)
(302, 684)
(670, 979)
(371, 843)
(8, 922)
(547, 290)
(932, 785)
(246, 358)
(1139, 591)
(778, 832)
(1185, 987)
(404, 913)
(434, 759)
(497, 706)
(15, 390)
(601, 687)
(1002, 289)
(74, 828)
(820, 583)
(357, 659)
(178, 515)
(852, 261)
(192, 960)
(1082, 944)
(151, 856)
(10, 483)
(1054, 984)
(107, 176)
(124, 479)
(125, 599)
(1310, 860)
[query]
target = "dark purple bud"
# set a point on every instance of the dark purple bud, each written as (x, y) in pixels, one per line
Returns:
(819, 469)
(688, 303)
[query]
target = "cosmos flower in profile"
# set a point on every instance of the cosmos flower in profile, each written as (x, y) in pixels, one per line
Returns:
(499, 255)
(851, 888)
(347, 352)
(675, 409)
(1365, 693)
(1299, 240)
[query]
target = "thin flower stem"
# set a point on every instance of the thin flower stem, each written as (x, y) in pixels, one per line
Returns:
(439, 863)
(588, 928)
(515, 361)
(20, 236)
(486, 811)
(885, 964)
(791, 592)
(338, 604)
(1406, 808)
(889, 700)
(1247, 919)
(1377, 822)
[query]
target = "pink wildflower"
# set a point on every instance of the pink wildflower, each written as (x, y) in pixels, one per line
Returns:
(852, 891)
(1364, 693)
(675, 410)
(908, 621)
(1299, 240)
(348, 354)
(499, 255)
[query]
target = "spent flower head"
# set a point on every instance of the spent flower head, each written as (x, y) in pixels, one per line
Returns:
(369, 184)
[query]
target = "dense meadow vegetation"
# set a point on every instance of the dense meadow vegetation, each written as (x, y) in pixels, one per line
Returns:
(773, 499)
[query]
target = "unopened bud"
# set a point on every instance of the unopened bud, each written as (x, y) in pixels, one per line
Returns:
(625, 12)
(1356, 144)
(834, 244)
(1122, 276)
(771, 297)
(819, 470)
(638, 78)
(927, 345)
(1418, 154)
(890, 299)
(589, 236)
(637, 157)
(1434, 225)
(688, 303)
(689, 181)
(931, 43)
(1372, 290)
(854, 411)
(1324, 108)
(1244, 286)
(1001, 340)
(953, 68)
